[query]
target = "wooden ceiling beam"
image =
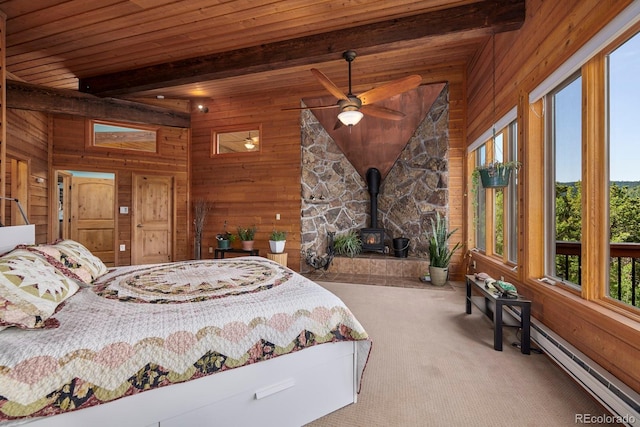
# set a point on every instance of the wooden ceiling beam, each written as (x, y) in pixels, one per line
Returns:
(26, 96)
(487, 16)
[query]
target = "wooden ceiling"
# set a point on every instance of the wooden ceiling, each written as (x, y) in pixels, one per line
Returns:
(189, 49)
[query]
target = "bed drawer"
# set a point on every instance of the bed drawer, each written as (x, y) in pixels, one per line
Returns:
(289, 390)
(282, 398)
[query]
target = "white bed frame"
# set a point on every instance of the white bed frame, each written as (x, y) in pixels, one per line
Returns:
(289, 390)
(14, 235)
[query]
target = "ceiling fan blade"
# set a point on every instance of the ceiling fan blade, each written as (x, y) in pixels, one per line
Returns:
(319, 107)
(382, 112)
(328, 84)
(390, 89)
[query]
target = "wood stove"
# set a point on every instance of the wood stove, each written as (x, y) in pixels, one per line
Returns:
(373, 238)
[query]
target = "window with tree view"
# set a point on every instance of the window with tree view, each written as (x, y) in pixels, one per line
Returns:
(624, 174)
(565, 176)
(496, 208)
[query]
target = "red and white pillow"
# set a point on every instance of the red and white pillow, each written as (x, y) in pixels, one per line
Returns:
(31, 289)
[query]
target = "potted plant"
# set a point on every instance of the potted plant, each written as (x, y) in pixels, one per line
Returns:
(225, 238)
(348, 244)
(439, 252)
(494, 174)
(247, 235)
(277, 241)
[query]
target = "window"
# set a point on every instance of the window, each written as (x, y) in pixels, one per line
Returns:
(129, 137)
(623, 68)
(564, 163)
(240, 140)
(495, 209)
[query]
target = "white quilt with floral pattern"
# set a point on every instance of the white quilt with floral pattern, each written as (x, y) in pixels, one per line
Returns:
(142, 327)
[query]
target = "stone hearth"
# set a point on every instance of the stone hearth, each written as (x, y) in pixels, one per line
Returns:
(380, 265)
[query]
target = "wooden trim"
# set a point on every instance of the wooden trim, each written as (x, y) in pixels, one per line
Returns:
(533, 185)
(595, 264)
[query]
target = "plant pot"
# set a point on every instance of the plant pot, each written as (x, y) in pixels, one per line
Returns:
(496, 178)
(224, 244)
(439, 275)
(401, 247)
(277, 246)
(247, 245)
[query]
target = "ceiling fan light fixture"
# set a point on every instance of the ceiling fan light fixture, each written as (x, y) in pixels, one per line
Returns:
(350, 118)
(250, 142)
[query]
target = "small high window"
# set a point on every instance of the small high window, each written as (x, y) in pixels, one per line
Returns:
(124, 137)
(238, 140)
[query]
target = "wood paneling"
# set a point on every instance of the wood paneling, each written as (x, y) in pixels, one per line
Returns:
(250, 188)
(27, 140)
(55, 43)
(552, 32)
(70, 152)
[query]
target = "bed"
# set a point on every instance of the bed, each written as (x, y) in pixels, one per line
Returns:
(214, 342)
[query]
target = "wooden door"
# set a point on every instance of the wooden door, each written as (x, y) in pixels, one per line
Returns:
(152, 219)
(93, 215)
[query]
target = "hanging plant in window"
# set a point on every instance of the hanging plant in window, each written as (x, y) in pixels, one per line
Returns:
(495, 174)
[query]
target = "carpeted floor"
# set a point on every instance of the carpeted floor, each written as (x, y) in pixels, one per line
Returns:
(434, 365)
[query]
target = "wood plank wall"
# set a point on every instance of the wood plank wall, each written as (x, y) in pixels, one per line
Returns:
(27, 140)
(553, 31)
(69, 152)
(252, 188)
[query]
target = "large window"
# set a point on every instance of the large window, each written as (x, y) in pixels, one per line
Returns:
(564, 217)
(623, 69)
(495, 209)
(592, 178)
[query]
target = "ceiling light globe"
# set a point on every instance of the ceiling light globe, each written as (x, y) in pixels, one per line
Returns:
(350, 118)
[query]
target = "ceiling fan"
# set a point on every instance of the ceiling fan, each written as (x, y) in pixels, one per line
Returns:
(352, 107)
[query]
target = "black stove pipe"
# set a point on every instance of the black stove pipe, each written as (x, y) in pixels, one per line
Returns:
(373, 182)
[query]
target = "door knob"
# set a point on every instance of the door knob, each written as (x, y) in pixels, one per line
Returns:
(139, 225)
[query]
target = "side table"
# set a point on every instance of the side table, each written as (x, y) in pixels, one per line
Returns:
(499, 302)
(219, 253)
(279, 258)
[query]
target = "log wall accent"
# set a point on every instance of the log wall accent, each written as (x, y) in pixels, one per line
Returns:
(552, 32)
(69, 151)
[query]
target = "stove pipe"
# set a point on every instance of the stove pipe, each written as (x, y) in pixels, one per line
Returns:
(373, 182)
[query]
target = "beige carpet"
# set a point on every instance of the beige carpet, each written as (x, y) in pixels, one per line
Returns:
(434, 365)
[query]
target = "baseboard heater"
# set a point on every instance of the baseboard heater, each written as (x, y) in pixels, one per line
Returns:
(618, 398)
